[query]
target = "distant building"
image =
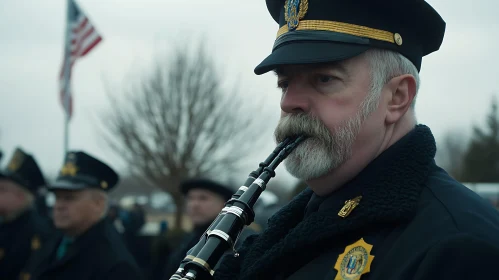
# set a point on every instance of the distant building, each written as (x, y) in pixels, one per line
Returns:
(489, 191)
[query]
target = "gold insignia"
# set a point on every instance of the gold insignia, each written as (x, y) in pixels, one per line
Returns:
(294, 11)
(35, 243)
(398, 39)
(355, 261)
(2, 253)
(103, 184)
(16, 161)
(69, 169)
(349, 206)
(25, 276)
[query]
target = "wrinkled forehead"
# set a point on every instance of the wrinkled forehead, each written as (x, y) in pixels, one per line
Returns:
(344, 66)
(201, 192)
(71, 194)
(7, 184)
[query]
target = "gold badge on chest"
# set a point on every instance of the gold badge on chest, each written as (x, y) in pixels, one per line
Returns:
(355, 261)
(35, 243)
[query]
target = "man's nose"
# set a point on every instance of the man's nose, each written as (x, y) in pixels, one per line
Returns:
(295, 99)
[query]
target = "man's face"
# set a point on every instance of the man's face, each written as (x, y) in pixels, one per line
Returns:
(74, 210)
(328, 103)
(12, 197)
(203, 206)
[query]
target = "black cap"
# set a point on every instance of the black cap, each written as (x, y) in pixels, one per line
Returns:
(200, 183)
(23, 169)
(81, 171)
(320, 31)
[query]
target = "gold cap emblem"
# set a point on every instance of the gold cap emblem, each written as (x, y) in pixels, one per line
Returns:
(69, 169)
(294, 11)
(16, 161)
(103, 184)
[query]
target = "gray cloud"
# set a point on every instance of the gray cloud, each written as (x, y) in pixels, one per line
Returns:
(458, 81)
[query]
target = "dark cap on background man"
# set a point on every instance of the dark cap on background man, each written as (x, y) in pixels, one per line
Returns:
(206, 184)
(320, 31)
(23, 169)
(81, 171)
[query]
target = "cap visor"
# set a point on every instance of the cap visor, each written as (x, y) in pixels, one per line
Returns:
(309, 52)
(66, 185)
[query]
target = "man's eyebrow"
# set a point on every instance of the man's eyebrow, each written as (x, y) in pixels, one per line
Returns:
(339, 66)
(278, 72)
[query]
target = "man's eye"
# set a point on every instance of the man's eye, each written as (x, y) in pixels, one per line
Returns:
(325, 78)
(282, 84)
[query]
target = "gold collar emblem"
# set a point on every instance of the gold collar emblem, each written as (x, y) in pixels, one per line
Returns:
(355, 261)
(35, 243)
(349, 206)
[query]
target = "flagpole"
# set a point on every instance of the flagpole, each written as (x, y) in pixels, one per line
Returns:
(67, 62)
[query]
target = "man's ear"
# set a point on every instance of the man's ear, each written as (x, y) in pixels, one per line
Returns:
(402, 90)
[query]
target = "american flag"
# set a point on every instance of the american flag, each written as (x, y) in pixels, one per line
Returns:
(81, 38)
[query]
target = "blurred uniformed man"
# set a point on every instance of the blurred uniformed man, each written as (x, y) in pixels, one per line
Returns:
(377, 206)
(205, 199)
(89, 246)
(22, 229)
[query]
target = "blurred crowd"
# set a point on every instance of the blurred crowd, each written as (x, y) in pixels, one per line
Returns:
(84, 235)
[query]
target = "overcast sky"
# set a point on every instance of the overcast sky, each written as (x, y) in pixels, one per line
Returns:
(457, 82)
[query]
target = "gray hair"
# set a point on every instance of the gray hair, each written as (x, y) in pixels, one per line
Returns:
(100, 195)
(386, 65)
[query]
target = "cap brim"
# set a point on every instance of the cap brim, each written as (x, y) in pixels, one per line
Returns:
(66, 185)
(309, 52)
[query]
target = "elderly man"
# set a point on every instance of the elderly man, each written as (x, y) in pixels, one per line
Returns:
(89, 247)
(205, 199)
(377, 206)
(22, 229)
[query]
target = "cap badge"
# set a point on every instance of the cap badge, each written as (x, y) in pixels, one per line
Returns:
(104, 185)
(355, 261)
(294, 11)
(16, 161)
(69, 169)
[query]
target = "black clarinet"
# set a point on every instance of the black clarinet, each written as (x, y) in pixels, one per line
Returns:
(251, 177)
(238, 212)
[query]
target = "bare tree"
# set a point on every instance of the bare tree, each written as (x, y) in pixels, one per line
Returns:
(179, 121)
(451, 152)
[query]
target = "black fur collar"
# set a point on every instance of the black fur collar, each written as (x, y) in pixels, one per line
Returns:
(390, 187)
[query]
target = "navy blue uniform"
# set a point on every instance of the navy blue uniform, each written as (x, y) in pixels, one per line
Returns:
(99, 253)
(18, 240)
(413, 222)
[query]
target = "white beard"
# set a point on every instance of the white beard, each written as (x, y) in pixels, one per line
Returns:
(320, 154)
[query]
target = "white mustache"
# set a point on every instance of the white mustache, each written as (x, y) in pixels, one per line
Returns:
(302, 124)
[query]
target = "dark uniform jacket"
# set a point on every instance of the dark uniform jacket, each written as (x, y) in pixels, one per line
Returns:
(18, 240)
(97, 254)
(189, 241)
(413, 222)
